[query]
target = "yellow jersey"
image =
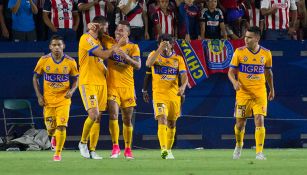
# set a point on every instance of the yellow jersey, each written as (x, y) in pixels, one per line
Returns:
(56, 78)
(251, 71)
(165, 73)
(120, 73)
(92, 68)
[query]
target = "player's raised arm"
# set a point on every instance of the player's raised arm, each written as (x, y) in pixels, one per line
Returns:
(152, 57)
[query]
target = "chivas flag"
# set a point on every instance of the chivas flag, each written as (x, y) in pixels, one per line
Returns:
(194, 58)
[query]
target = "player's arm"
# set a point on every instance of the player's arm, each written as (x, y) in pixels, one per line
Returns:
(147, 79)
(104, 54)
(269, 80)
(83, 5)
(184, 82)
(232, 72)
(152, 58)
(265, 8)
(38, 93)
(135, 61)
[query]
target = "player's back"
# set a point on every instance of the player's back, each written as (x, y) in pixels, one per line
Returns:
(251, 69)
(92, 69)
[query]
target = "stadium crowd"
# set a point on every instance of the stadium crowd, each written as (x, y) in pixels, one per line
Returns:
(38, 20)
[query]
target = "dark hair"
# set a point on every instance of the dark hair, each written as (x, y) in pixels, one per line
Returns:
(126, 23)
(256, 30)
(100, 19)
(166, 37)
(56, 37)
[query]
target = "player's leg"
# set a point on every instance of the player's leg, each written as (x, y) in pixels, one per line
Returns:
(113, 109)
(242, 111)
(62, 116)
(89, 98)
(127, 130)
(50, 123)
(95, 130)
(259, 108)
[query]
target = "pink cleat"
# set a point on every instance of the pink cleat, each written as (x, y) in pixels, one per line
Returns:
(115, 152)
(53, 143)
(128, 153)
(57, 158)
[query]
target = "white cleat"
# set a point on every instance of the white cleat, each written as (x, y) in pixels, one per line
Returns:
(260, 156)
(169, 155)
(237, 153)
(94, 155)
(84, 150)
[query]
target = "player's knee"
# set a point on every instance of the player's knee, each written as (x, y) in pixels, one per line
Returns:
(162, 119)
(51, 131)
(93, 113)
(171, 124)
(127, 121)
(61, 128)
(113, 116)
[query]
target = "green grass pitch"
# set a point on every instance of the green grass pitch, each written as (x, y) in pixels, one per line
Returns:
(187, 162)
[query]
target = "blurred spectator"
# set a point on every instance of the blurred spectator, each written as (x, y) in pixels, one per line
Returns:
(212, 22)
(278, 25)
(64, 18)
(4, 31)
(134, 11)
(253, 15)
(236, 25)
(41, 28)
(301, 19)
(189, 27)
(23, 26)
(230, 8)
(164, 19)
(92, 8)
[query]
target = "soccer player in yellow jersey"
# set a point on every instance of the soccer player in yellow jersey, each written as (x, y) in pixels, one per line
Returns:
(56, 68)
(121, 93)
(249, 70)
(166, 67)
(92, 84)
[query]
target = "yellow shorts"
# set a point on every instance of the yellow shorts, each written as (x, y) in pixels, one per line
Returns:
(171, 109)
(248, 107)
(124, 97)
(56, 116)
(94, 96)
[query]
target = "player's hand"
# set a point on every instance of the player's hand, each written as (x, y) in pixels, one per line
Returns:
(147, 37)
(271, 95)
(96, 1)
(181, 91)
(237, 85)
(274, 9)
(291, 31)
(69, 94)
(146, 96)
(41, 100)
(93, 26)
(123, 41)
(5, 33)
(163, 45)
(187, 38)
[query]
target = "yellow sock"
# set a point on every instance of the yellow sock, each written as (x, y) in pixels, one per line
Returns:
(114, 131)
(86, 129)
(94, 136)
(259, 137)
(239, 136)
(162, 135)
(60, 137)
(127, 133)
(170, 137)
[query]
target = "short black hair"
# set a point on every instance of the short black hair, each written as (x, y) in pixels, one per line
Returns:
(56, 37)
(256, 30)
(166, 37)
(126, 23)
(100, 19)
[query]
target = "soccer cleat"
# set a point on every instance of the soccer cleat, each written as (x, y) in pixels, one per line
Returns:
(169, 155)
(84, 150)
(53, 143)
(94, 155)
(115, 152)
(57, 158)
(237, 153)
(164, 153)
(260, 156)
(128, 153)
